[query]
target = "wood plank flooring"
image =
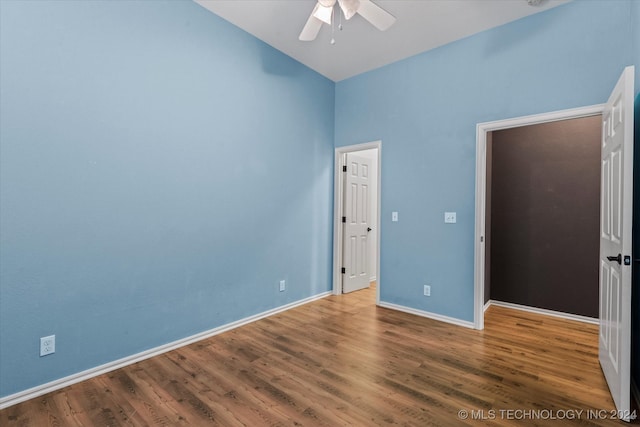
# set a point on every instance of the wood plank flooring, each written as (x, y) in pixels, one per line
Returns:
(343, 361)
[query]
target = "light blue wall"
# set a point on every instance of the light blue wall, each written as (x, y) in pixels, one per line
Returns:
(425, 110)
(161, 171)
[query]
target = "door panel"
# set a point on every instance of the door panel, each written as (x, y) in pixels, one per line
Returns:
(615, 242)
(616, 199)
(356, 228)
(604, 300)
(606, 200)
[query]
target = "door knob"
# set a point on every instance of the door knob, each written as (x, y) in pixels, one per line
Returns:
(616, 258)
(368, 229)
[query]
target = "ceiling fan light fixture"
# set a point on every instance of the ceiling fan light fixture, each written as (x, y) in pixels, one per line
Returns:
(323, 13)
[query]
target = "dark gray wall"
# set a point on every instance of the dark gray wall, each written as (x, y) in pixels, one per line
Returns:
(545, 215)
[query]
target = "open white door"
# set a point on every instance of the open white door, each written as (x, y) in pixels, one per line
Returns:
(357, 198)
(615, 242)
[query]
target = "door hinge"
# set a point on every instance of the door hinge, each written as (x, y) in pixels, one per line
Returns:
(344, 270)
(344, 219)
(344, 168)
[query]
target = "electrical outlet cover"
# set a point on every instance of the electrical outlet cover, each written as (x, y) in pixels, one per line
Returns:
(47, 345)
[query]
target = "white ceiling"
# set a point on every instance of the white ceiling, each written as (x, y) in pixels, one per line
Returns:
(421, 25)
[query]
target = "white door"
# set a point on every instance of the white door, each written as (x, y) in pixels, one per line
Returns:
(357, 225)
(615, 241)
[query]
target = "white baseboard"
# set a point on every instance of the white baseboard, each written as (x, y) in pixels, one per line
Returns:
(544, 311)
(372, 279)
(33, 392)
(427, 314)
(486, 305)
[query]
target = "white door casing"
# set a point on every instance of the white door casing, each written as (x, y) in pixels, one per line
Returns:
(357, 225)
(615, 241)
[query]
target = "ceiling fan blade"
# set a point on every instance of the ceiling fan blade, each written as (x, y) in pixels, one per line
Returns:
(380, 18)
(311, 28)
(324, 11)
(349, 7)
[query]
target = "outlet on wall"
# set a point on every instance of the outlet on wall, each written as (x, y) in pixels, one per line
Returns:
(283, 285)
(47, 345)
(427, 290)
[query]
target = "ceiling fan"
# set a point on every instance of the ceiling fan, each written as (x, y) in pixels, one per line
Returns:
(323, 13)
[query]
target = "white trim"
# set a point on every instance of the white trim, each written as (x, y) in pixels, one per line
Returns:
(427, 314)
(545, 312)
(337, 224)
(481, 187)
(486, 306)
(338, 180)
(31, 393)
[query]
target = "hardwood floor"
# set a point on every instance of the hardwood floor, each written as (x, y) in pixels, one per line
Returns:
(343, 361)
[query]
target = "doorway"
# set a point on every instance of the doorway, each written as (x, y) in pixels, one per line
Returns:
(370, 155)
(483, 132)
(543, 214)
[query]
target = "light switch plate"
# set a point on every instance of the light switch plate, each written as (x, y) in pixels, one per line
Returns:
(394, 216)
(450, 217)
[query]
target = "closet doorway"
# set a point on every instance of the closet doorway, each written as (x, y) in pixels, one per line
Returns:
(484, 215)
(542, 217)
